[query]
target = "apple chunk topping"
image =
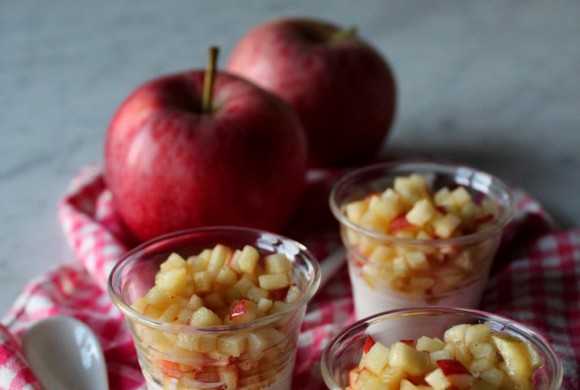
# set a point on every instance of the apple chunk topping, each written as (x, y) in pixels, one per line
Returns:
(218, 287)
(470, 356)
(411, 210)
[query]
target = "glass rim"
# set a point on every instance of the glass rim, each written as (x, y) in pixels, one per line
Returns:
(506, 323)
(132, 256)
(508, 209)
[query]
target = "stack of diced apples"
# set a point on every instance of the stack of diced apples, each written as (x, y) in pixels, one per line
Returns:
(468, 357)
(220, 286)
(410, 210)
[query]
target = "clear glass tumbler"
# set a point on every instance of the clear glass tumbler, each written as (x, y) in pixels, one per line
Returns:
(395, 271)
(188, 357)
(344, 352)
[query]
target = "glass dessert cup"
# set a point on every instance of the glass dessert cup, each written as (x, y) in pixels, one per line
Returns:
(383, 267)
(177, 356)
(344, 352)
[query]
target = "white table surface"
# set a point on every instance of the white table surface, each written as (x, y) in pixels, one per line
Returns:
(495, 84)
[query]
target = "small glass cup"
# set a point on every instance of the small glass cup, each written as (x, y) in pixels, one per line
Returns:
(344, 352)
(381, 270)
(168, 364)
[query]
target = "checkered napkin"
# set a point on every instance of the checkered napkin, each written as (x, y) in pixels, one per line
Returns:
(535, 279)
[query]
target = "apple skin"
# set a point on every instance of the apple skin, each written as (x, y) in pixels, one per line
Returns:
(344, 92)
(170, 167)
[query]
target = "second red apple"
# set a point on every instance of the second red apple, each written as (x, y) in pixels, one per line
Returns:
(341, 87)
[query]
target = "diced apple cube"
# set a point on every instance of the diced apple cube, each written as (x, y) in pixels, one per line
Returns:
(242, 287)
(226, 276)
(157, 297)
(376, 358)
(173, 261)
(441, 354)
(407, 358)
(170, 313)
(187, 341)
(417, 260)
(421, 213)
(461, 197)
(173, 280)
(386, 207)
(273, 281)
(373, 221)
(184, 315)
(256, 293)
(293, 294)
(198, 263)
(198, 343)
(437, 380)
(194, 302)
(412, 187)
(446, 225)
(455, 334)
(257, 341)
(217, 260)
(355, 210)
(203, 281)
(277, 263)
(264, 304)
(232, 345)
(442, 198)
(382, 254)
(400, 266)
(278, 306)
(429, 344)
(205, 317)
(477, 333)
(248, 259)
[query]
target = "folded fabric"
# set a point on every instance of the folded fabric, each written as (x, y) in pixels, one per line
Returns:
(535, 280)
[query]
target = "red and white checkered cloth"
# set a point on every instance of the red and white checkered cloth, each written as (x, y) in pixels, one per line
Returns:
(535, 279)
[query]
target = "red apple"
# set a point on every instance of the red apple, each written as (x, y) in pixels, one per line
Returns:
(171, 166)
(341, 87)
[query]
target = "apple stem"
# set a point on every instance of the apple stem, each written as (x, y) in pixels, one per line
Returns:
(343, 34)
(209, 80)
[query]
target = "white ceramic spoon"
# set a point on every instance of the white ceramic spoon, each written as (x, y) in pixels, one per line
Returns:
(65, 354)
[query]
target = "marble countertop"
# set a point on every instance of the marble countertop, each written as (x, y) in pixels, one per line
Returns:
(495, 84)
